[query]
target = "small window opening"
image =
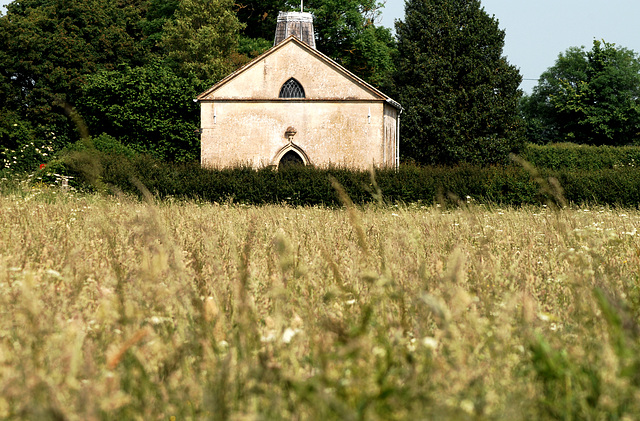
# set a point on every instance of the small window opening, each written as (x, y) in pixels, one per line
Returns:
(292, 89)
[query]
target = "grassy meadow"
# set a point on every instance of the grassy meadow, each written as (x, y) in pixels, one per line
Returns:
(117, 309)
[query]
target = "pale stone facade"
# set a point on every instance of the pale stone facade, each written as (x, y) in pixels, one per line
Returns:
(341, 120)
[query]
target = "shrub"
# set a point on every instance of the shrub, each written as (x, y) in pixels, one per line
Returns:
(306, 186)
(570, 156)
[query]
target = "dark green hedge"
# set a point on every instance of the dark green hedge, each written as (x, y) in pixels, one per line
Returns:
(500, 185)
(570, 156)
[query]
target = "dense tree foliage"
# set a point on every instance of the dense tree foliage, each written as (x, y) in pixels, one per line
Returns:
(159, 13)
(459, 92)
(587, 97)
(260, 17)
(202, 39)
(47, 47)
(148, 108)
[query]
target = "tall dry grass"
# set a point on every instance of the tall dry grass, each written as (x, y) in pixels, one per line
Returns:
(116, 309)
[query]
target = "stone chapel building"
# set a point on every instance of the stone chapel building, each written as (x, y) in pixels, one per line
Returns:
(294, 104)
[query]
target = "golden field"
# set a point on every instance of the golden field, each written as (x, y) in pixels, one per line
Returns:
(116, 309)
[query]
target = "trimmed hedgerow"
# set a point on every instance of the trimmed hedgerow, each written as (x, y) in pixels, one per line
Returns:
(500, 185)
(608, 186)
(571, 156)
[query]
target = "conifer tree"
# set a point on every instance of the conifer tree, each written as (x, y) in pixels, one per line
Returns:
(459, 93)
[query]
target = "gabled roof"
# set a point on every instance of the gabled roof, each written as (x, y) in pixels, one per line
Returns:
(312, 51)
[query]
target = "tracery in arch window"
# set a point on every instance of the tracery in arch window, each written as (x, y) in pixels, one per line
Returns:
(292, 89)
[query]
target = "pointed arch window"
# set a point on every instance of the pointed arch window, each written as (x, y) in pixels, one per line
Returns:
(292, 89)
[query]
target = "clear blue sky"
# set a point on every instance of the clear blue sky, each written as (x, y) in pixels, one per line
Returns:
(537, 31)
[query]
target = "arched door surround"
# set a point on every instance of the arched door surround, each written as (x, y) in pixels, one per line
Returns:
(291, 153)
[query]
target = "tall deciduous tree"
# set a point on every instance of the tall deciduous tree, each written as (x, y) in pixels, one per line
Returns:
(588, 97)
(459, 92)
(148, 108)
(202, 38)
(158, 13)
(47, 47)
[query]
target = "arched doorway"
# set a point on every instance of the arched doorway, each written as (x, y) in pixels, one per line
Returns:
(291, 155)
(291, 159)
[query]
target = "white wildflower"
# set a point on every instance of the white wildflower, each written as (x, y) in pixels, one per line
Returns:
(411, 346)
(379, 352)
(269, 337)
(544, 317)
(288, 334)
(430, 342)
(467, 406)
